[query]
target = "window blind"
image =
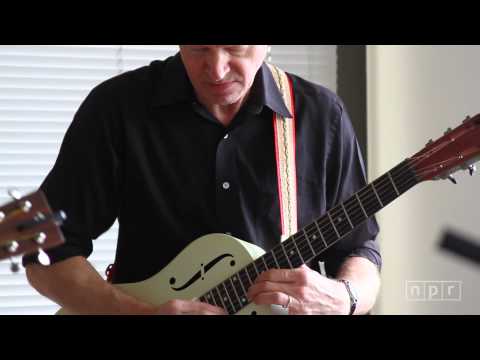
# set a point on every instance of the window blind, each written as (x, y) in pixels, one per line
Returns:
(317, 63)
(42, 86)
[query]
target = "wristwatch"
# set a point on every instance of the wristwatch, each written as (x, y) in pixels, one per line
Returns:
(352, 294)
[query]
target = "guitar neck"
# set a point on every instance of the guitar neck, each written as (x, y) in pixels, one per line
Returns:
(340, 221)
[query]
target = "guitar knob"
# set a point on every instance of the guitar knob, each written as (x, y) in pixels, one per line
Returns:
(40, 238)
(14, 194)
(14, 266)
(12, 247)
(43, 258)
(452, 179)
(472, 169)
(26, 206)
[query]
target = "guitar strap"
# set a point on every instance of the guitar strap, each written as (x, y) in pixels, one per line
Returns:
(284, 132)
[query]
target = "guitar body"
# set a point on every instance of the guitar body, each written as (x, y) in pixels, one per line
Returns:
(201, 266)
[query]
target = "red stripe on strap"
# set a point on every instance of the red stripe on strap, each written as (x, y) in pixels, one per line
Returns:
(294, 135)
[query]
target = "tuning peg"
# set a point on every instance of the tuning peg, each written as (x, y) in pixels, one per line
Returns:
(40, 238)
(466, 119)
(14, 194)
(43, 258)
(472, 169)
(25, 206)
(449, 130)
(430, 142)
(14, 266)
(12, 247)
(452, 179)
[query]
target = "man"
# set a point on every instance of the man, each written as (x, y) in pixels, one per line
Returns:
(184, 148)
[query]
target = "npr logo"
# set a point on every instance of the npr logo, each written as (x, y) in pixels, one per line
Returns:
(433, 290)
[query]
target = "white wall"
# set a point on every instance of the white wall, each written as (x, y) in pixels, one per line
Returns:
(415, 93)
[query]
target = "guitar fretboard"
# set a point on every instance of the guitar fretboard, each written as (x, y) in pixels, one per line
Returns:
(316, 237)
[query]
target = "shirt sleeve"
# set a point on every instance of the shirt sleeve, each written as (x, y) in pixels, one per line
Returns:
(84, 179)
(346, 176)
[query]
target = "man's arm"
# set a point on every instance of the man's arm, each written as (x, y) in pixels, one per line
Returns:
(365, 278)
(77, 286)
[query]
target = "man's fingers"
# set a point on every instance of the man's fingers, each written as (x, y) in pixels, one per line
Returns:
(298, 275)
(274, 287)
(269, 298)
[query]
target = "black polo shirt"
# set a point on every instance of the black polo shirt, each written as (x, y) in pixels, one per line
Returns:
(143, 150)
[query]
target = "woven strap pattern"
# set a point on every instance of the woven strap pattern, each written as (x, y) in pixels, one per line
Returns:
(284, 130)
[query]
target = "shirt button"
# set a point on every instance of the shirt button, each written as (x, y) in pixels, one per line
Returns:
(226, 137)
(226, 185)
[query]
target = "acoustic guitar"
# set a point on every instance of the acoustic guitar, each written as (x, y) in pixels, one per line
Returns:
(28, 225)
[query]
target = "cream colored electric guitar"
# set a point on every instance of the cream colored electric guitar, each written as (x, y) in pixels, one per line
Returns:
(219, 269)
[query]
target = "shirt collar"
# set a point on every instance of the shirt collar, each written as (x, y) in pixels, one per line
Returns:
(172, 85)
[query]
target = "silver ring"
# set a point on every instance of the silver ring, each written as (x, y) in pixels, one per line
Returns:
(288, 302)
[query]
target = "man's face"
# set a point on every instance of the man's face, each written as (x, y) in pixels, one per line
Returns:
(222, 74)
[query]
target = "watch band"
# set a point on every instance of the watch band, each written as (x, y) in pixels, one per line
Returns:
(351, 294)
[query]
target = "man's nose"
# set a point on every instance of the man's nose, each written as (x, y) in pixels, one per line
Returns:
(217, 66)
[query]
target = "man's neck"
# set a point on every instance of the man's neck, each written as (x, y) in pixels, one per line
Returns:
(225, 114)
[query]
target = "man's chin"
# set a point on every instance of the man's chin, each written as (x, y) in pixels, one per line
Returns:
(226, 101)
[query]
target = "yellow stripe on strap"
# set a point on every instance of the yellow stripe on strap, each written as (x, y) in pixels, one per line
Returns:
(284, 130)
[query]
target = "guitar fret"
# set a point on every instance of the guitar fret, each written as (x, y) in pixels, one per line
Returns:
(333, 224)
(288, 260)
(215, 298)
(204, 299)
(348, 218)
(361, 206)
(221, 298)
(228, 296)
(299, 254)
(210, 294)
(308, 242)
(248, 276)
(280, 257)
(321, 234)
(266, 266)
(241, 284)
(393, 183)
(236, 293)
(376, 194)
(275, 259)
(255, 267)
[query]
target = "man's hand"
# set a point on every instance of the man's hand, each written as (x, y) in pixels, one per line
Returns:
(303, 290)
(185, 307)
